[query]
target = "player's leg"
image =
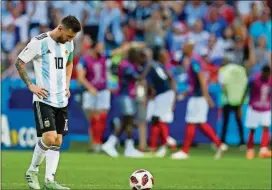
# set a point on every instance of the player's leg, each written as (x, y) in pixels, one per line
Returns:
(203, 109)
(129, 111)
(266, 122)
(89, 108)
(53, 154)
(226, 113)
(47, 131)
(252, 122)
(103, 105)
(191, 119)
(126, 108)
(238, 116)
(164, 110)
(141, 124)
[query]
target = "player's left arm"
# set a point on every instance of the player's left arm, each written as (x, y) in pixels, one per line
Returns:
(69, 69)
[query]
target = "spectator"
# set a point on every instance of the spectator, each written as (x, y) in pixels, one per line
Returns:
(91, 25)
(262, 27)
(110, 31)
(37, 12)
(226, 11)
(194, 11)
(215, 48)
(176, 37)
(198, 35)
(15, 32)
(253, 16)
(138, 17)
(228, 39)
(259, 57)
(214, 23)
(240, 52)
(154, 30)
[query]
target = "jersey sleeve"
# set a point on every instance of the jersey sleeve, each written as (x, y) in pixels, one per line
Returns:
(71, 55)
(149, 76)
(30, 51)
(81, 63)
(196, 66)
(129, 72)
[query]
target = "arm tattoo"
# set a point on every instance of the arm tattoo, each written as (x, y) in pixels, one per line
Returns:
(20, 65)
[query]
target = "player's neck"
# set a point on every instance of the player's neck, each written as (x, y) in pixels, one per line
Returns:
(53, 35)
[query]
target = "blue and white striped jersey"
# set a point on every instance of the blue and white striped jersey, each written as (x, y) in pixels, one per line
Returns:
(49, 60)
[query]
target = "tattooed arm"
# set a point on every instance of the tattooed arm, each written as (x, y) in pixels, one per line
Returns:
(21, 68)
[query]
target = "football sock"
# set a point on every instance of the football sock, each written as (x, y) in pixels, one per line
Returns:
(154, 135)
(265, 137)
(208, 130)
(250, 143)
(129, 144)
(189, 136)
(95, 129)
(38, 155)
(52, 160)
(164, 132)
(103, 125)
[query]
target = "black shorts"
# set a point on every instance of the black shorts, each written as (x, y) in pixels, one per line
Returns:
(50, 118)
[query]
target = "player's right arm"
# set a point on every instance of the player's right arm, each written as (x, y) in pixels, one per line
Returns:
(81, 77)
(203, 84)
(27, 54)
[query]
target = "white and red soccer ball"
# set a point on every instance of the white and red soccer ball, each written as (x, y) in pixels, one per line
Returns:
(141, 180)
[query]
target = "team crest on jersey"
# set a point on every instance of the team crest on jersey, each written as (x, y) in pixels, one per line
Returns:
(47, 123)
(66, 52)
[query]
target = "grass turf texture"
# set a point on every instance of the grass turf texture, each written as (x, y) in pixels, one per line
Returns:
(81, 170)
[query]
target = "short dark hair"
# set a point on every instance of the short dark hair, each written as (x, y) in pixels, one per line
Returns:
(266, 69)
(71, 22)
(157, 50)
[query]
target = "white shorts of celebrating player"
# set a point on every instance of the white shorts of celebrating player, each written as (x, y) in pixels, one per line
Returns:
(99, 102)
(161, 107)
(197, 110)
(255, 118)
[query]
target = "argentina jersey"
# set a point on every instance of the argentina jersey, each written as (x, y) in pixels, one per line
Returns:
(49, 60)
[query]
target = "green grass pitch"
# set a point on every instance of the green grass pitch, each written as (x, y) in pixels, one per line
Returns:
(82, 170)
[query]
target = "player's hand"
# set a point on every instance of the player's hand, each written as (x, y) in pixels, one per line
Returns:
(210, 102)
(93, 91)
(68, 94)
(40, 92)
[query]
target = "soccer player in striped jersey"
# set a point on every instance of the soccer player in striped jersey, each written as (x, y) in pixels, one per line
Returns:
(52, 55)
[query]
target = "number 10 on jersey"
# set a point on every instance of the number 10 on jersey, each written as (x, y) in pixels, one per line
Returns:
(59, 62)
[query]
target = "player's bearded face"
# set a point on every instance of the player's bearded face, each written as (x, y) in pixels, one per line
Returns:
(66, 35)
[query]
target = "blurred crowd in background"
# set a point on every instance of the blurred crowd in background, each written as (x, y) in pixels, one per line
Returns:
(239, 29)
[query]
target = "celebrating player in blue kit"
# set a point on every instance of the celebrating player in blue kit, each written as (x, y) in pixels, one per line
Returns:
(162, 111)
(52, 57)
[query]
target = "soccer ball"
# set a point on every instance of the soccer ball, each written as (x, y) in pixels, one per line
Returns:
(141, 180)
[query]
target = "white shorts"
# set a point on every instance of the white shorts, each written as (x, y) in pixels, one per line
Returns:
(197, 110)
(161, 107)
(99, 102)
(255, 118)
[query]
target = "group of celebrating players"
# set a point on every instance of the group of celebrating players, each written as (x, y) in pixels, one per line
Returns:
(146, 92)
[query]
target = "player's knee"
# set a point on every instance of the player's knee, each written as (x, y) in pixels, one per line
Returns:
(155, 120)
(127, 121)
(58, 141)
(49, 138)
